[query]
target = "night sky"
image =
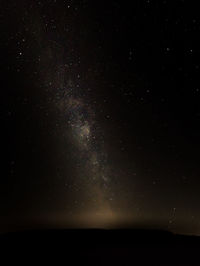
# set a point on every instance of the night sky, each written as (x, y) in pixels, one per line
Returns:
(100, 114)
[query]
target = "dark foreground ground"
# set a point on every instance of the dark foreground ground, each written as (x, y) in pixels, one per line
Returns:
(100, 247)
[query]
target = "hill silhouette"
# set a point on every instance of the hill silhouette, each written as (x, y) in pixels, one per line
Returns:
(102, 247)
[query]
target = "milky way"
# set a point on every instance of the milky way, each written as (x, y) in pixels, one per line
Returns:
(88, 145)
(82, 137)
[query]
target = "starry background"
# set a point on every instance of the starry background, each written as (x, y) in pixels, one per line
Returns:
(100, 114)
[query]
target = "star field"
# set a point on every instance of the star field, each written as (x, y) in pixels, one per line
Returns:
(100, 114)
